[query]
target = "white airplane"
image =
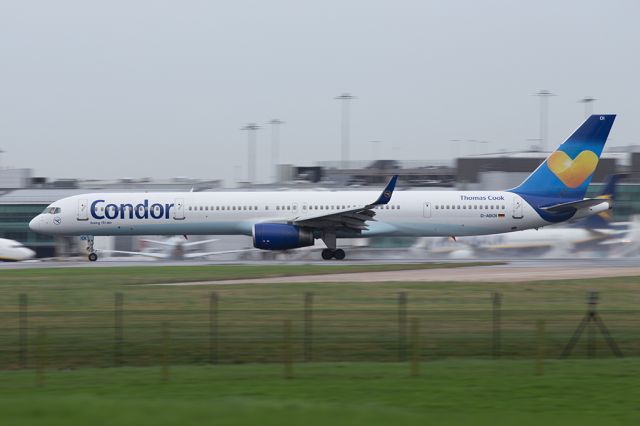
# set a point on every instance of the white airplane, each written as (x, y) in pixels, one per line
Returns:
(13, 251)
(175, 248)
(553, 193)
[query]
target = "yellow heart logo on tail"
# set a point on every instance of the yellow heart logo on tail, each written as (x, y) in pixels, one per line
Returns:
(572, 172)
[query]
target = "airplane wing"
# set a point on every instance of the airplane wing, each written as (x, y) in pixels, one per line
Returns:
(160, 243)
(351, 219)
(214, 253)
(195, 243)
(580, 204)
(136, 253)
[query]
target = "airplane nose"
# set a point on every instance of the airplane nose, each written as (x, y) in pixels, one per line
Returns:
(29, 254)
(36, 224)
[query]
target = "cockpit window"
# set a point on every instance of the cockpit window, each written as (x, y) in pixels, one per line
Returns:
(52, 210)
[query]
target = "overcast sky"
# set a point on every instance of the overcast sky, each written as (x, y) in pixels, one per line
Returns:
(107, 89)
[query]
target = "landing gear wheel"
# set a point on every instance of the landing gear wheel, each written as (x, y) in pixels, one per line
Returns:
(93, 257)
(339, 254)
(327, 254)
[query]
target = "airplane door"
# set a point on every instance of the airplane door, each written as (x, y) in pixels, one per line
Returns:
(426, 209)
(294, 209)
(517, 208)
(178, 209)
(83, 210)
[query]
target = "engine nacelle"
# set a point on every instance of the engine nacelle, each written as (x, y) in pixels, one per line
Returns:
(281, 236)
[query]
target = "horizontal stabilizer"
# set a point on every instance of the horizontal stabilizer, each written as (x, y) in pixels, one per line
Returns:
(575, 205)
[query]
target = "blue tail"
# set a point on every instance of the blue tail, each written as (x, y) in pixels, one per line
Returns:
(567, 172)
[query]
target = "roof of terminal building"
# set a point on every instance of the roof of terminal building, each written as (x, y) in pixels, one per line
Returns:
(622, 156)
(37, 196)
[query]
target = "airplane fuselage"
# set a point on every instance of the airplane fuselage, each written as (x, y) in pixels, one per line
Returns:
(410, 213)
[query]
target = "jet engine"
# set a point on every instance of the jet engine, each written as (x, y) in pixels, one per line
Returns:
(281, 236)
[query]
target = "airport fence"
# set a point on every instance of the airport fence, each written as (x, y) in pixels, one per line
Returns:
(137, 336)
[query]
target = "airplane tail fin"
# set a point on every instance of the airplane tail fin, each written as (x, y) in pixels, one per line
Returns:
(602, 220)
(567, 172)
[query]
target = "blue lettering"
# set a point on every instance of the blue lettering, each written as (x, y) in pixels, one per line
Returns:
(94, 209)
(157, 211)
(111, 211)
(129, 211)
(142, 210)
(124, 208)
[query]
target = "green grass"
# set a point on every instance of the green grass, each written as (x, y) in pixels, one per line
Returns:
(169, 274)
(351, 321)
(447, 392)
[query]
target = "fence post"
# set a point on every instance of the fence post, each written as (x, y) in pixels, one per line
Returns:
(287, 352)
(415, 347)
(308, 326)
(41, 356)
(540, 348)
(402, 326)
(118, 341)
(166, 342)
(591, 339)
(213, 328)
(497, 325)
(22, 330)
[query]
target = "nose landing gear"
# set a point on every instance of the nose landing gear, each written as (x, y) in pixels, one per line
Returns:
(93, 256)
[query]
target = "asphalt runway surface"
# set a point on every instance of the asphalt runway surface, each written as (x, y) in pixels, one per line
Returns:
(511, 271)
(489, 273)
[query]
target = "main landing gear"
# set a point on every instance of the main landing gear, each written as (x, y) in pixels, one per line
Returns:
(331, 252)
(328, 254)
(93, 256)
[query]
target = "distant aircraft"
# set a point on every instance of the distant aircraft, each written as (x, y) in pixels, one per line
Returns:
(553, 193)
(13, 251)
(175, 248)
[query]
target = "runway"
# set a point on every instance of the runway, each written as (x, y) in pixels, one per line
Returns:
(510, 271)
(497, 273)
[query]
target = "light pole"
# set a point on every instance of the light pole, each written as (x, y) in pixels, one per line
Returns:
(455, 148)
(251, 149)
(375, 152)
(344, 138)
(544, 116)
(275, 146)
(588, 105)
